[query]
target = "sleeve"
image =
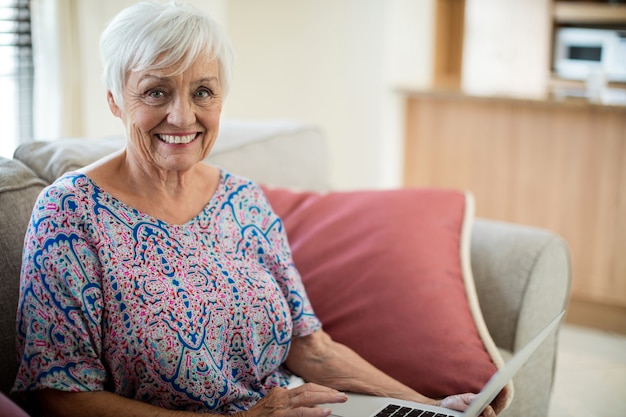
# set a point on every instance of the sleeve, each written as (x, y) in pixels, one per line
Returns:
(282, 267)
(59, 312)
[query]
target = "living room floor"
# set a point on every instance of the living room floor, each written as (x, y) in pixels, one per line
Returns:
(590, 374)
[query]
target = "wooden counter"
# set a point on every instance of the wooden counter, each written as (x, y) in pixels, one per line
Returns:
(559, 165)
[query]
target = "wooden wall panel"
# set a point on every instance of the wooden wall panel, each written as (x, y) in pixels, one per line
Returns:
(553, 165)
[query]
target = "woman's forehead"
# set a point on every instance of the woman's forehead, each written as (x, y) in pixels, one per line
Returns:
(200, 68)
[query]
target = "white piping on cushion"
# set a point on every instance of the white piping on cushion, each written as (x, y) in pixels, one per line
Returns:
(472, 296)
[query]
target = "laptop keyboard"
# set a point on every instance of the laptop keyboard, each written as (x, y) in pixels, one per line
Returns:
(397, 411)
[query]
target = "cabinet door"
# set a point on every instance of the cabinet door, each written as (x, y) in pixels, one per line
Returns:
(507, 47)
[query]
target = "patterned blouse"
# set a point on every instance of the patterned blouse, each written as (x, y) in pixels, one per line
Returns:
(196, 316)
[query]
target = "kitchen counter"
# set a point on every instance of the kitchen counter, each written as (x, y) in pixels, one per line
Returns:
(564, 96)
(554, 163)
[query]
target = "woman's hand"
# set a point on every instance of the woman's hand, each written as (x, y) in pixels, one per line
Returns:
(297, 402)
(460, 402)
(319, 359)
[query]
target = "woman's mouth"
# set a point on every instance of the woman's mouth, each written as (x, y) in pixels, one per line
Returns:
(177, 139)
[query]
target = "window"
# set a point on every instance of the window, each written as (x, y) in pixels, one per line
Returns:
(16, 74)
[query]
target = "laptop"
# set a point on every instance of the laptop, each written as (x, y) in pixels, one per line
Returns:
(369, 406)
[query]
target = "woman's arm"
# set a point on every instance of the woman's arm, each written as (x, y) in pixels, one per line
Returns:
(55, 403)
(279, 402)
(317, 358)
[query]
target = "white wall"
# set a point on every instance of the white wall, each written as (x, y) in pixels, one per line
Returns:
(315, 61)
(332, 63)
(93, 16)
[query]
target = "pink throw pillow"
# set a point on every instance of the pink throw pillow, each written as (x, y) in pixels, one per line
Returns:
(9, 409)
(388, 274)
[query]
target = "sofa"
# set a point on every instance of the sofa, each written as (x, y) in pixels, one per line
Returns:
(519, 275)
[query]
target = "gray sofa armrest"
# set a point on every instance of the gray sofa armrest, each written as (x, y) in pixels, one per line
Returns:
(522, 277)
(19, 188)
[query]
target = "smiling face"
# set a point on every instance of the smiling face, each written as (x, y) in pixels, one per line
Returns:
(171, 120)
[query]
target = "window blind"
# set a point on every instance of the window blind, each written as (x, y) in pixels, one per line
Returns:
(16, 74)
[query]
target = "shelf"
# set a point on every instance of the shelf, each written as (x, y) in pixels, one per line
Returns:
(614, 95)
(588, 12)
(556, 80)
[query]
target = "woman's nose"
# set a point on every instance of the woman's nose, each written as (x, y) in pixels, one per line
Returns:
(181, 112)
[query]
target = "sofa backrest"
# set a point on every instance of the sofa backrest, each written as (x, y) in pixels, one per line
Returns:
(276, 153)
(19, 188)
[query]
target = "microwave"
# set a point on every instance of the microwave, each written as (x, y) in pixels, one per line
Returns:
(579, 52)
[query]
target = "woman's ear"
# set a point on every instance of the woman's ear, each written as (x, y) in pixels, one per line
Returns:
(115, 109)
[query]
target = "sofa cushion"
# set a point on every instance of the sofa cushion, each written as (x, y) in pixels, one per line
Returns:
(51, 159)
(9, 409)
(19, 187)
(388, 274)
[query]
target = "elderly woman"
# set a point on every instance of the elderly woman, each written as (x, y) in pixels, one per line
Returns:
(153, 282)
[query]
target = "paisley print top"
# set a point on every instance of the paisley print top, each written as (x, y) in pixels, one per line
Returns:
(196, 316)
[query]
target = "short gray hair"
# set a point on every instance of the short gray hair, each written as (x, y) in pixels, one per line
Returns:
(157, 35)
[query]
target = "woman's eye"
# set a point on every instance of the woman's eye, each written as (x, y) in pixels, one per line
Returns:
(156, 94)
(204, 93)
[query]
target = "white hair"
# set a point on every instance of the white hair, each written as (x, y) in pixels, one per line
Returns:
(155, 35)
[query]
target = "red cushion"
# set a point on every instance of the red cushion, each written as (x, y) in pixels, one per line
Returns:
(9, 409)
(384, 273)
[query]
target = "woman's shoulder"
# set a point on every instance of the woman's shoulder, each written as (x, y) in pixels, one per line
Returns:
(67, 184)
(245, 191)
(234, 178)
(235, 183)
(63, 196)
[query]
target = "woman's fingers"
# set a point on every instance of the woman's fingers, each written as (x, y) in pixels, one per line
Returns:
(302, 401)
(462, 401)
(309, 394)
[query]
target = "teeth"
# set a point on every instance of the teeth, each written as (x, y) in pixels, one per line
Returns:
(177, 139)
